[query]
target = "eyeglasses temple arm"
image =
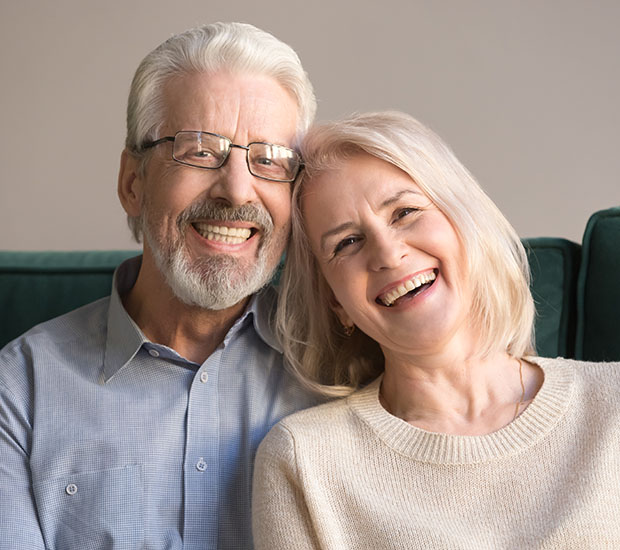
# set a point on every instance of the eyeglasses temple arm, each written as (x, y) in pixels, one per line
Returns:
(150, 144)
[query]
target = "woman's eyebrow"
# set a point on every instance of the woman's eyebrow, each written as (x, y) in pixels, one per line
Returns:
(334, 231)
(395, 198)
(387, 202)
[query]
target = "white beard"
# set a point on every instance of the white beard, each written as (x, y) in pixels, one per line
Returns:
(219, 281)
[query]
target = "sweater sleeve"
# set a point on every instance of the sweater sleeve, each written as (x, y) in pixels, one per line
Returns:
(280, 517)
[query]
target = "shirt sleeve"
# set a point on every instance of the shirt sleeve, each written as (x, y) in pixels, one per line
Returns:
(20, 525)
(280, 516)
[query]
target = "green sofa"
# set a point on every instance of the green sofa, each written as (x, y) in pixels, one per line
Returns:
(576, 288)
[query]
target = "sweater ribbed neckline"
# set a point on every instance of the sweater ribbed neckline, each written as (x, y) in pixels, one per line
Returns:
(530, 426)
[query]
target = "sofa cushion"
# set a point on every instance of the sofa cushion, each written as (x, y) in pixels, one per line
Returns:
(598, 289)
(37, 286)
(554, 265)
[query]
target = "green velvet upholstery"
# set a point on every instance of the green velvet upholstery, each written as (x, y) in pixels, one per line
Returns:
(577, 292)
(554, 265)
(36, 286)
(598, 291)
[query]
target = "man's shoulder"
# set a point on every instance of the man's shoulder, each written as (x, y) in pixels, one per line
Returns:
(80, 327)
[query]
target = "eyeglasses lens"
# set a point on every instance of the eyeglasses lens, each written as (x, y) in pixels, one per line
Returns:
(200, 149)
(273, 162)
(265, 160)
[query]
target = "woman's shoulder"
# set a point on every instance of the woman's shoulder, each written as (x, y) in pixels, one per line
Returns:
(582, 369)
(326, 422)
(301, 429)
(593, 381)
(317, 417)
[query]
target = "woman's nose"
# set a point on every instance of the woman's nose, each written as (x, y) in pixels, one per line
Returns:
(386, 252)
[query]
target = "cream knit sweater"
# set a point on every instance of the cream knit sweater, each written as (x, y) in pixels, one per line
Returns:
(348, 474)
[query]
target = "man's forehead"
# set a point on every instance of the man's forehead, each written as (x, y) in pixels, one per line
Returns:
(245, 106)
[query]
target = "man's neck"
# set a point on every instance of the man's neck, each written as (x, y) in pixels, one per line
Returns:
(193, 332)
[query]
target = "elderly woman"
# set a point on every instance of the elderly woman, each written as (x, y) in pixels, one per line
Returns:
(407, 292)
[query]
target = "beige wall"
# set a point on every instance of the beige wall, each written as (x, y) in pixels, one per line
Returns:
(526, 92)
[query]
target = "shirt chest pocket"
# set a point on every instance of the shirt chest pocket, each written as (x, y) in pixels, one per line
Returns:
(94, 510)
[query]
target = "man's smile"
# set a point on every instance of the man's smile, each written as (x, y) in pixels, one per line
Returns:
(223, 233)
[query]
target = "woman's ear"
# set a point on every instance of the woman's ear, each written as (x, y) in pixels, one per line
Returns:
(342, 315)
(130, 184)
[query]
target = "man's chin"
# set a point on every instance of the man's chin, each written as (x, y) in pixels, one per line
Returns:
(216, 283)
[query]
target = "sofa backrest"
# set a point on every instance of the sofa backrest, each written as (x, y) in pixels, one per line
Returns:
(554, 265)
(577, 292)
(598, 289)
(37, 286)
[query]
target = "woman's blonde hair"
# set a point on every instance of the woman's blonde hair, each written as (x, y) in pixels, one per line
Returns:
(314, 344)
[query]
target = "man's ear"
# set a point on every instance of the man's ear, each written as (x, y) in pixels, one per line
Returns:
(130, 184)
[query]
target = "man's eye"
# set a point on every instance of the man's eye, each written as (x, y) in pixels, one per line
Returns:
(203, 154)
(263, 161)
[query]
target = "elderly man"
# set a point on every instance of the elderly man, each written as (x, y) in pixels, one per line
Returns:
(133, 422)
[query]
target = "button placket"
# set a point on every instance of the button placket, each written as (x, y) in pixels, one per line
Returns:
(201, 453)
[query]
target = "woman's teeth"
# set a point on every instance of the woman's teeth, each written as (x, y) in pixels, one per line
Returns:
(416, 282)
(222, 233)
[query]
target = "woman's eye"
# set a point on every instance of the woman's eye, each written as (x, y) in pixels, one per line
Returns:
(344, 243)
(405, 212)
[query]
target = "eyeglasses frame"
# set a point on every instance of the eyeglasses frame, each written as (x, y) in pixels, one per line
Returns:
(150, 144)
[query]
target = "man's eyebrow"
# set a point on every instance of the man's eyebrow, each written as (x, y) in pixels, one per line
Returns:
(334, 231)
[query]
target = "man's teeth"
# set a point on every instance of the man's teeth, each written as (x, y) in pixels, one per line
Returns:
(222, 233)
(419, 280)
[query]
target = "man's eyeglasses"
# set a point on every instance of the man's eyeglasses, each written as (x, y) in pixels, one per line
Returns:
(210, 151)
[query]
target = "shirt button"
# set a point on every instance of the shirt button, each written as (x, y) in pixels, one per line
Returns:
(204, 377)
(201, 465)
(71, 489)
(153, 353)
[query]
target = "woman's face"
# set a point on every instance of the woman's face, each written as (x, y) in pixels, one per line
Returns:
(394, 262)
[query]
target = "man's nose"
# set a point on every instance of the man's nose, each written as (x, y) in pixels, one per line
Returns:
(233, 183)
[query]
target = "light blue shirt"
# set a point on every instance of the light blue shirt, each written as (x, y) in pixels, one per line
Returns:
(110, 441)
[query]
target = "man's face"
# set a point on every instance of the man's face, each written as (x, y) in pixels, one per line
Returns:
(217, 235)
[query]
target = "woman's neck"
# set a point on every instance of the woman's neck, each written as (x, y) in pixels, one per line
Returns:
(459, 394)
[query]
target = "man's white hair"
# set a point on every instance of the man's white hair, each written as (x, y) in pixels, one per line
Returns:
(234, 47)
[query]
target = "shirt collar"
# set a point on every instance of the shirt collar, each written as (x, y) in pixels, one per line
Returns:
(262, 307)
(124, 337)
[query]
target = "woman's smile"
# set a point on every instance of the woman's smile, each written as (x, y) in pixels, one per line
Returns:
(411, 286)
